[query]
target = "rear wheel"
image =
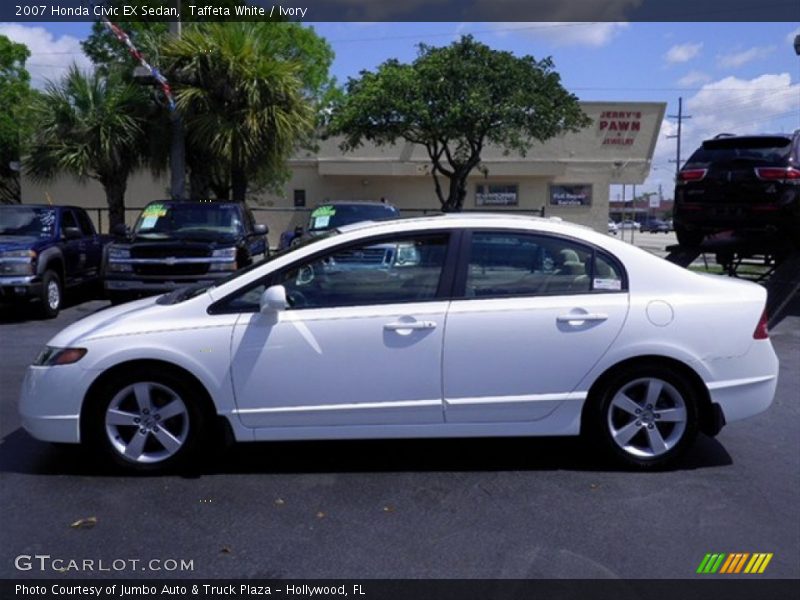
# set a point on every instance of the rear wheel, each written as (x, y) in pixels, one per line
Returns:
(52, 295)
(146, 421)
(644, 416)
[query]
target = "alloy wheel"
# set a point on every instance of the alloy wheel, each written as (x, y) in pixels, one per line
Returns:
(147, 422)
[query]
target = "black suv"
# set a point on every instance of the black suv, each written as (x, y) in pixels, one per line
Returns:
(179, 243)
(747, 184)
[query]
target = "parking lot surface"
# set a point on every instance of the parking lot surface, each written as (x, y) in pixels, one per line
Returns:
(508, 508)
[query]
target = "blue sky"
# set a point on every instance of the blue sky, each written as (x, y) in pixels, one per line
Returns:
(734, 77)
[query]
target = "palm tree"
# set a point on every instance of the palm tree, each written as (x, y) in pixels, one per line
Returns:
(91, 125)
(242, 102)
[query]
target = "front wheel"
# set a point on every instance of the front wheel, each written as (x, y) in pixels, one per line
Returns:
(645, 416)
(146, 421)
(51, 296)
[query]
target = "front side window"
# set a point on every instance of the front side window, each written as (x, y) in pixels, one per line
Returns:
(393, 270)
(503, 264)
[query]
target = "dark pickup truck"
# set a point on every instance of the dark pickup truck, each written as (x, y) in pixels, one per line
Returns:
(45, 250)
(181, 243)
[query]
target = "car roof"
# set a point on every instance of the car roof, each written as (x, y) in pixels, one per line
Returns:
(41, 206)
(466, 220)
(356, 203)
(195, 202)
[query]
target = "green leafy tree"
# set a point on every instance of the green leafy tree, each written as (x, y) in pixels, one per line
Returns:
(453, 101)
(246, 93)
(15, 120)
(91, 126)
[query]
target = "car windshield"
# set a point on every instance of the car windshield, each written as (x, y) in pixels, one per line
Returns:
(750, 150)
(28, 221)
(330, 216)
(188, 220)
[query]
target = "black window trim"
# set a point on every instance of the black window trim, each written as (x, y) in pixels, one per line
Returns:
(443, 292)
(465, 249)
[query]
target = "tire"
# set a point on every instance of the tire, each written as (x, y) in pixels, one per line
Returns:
(52, 295)
(147, 420)
(654, 436)
(687, 237)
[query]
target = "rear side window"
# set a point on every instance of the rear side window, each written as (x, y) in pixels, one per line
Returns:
(744, 150)
(506, 264)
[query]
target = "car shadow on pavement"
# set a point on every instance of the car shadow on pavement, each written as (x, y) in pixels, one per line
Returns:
(20, 453)
(29, 311)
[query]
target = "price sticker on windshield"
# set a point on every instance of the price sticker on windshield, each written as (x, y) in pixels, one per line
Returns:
(323, 211)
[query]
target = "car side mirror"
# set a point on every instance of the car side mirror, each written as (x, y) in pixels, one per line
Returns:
(261, 229)
(273, 300)
(72, 233)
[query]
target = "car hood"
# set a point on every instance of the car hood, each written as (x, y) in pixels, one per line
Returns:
(9, 243)
(117, 320)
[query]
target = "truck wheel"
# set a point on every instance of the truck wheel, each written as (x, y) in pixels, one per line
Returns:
(51, 295)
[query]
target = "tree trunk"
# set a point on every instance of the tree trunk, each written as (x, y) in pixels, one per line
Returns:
(457, 192)
(238, 185)
(238, 177)
(115, 198)
(199, 183)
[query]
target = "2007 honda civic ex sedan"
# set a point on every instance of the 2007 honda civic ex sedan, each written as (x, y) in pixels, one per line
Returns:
(446, 326)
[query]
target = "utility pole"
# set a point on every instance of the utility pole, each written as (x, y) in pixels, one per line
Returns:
(177, 149)
(680, 117)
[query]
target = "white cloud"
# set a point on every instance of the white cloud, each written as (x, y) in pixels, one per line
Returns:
(730, 105)
(737, 59)
(682, 53)
(564, 34)
(693, 78)
(50, 56)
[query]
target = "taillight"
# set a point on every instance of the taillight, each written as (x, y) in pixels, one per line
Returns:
(778, 173)
(761, 332)
(692, 174)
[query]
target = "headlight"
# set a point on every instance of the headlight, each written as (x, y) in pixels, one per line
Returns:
(226, 258)
(225, 253)
(28, 254)
(50, 356)
(116, 258)
(17, 262)
(118, 253)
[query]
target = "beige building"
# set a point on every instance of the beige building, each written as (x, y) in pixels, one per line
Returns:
(568, 177)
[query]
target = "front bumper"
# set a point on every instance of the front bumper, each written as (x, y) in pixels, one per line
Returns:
(51, 400)
(20, 287)
(135, 284)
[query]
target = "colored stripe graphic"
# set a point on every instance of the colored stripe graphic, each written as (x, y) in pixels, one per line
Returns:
(723, 563)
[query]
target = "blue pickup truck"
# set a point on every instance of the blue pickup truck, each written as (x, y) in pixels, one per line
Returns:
(45, 250)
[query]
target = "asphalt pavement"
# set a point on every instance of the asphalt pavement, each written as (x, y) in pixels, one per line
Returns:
(507, 508)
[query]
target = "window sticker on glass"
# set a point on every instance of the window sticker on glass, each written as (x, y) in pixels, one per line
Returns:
(607, 284)
(323, 211)
(149, 222)
(321, 222)
(154, 210)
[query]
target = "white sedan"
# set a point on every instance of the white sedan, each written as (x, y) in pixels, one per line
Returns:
(445, 326)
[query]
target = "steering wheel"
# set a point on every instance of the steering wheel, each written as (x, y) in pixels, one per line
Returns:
(305, 275)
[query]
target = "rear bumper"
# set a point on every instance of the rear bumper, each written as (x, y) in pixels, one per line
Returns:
(747, 387)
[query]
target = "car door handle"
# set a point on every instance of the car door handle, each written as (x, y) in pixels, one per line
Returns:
(580, 318)
(400, 326)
